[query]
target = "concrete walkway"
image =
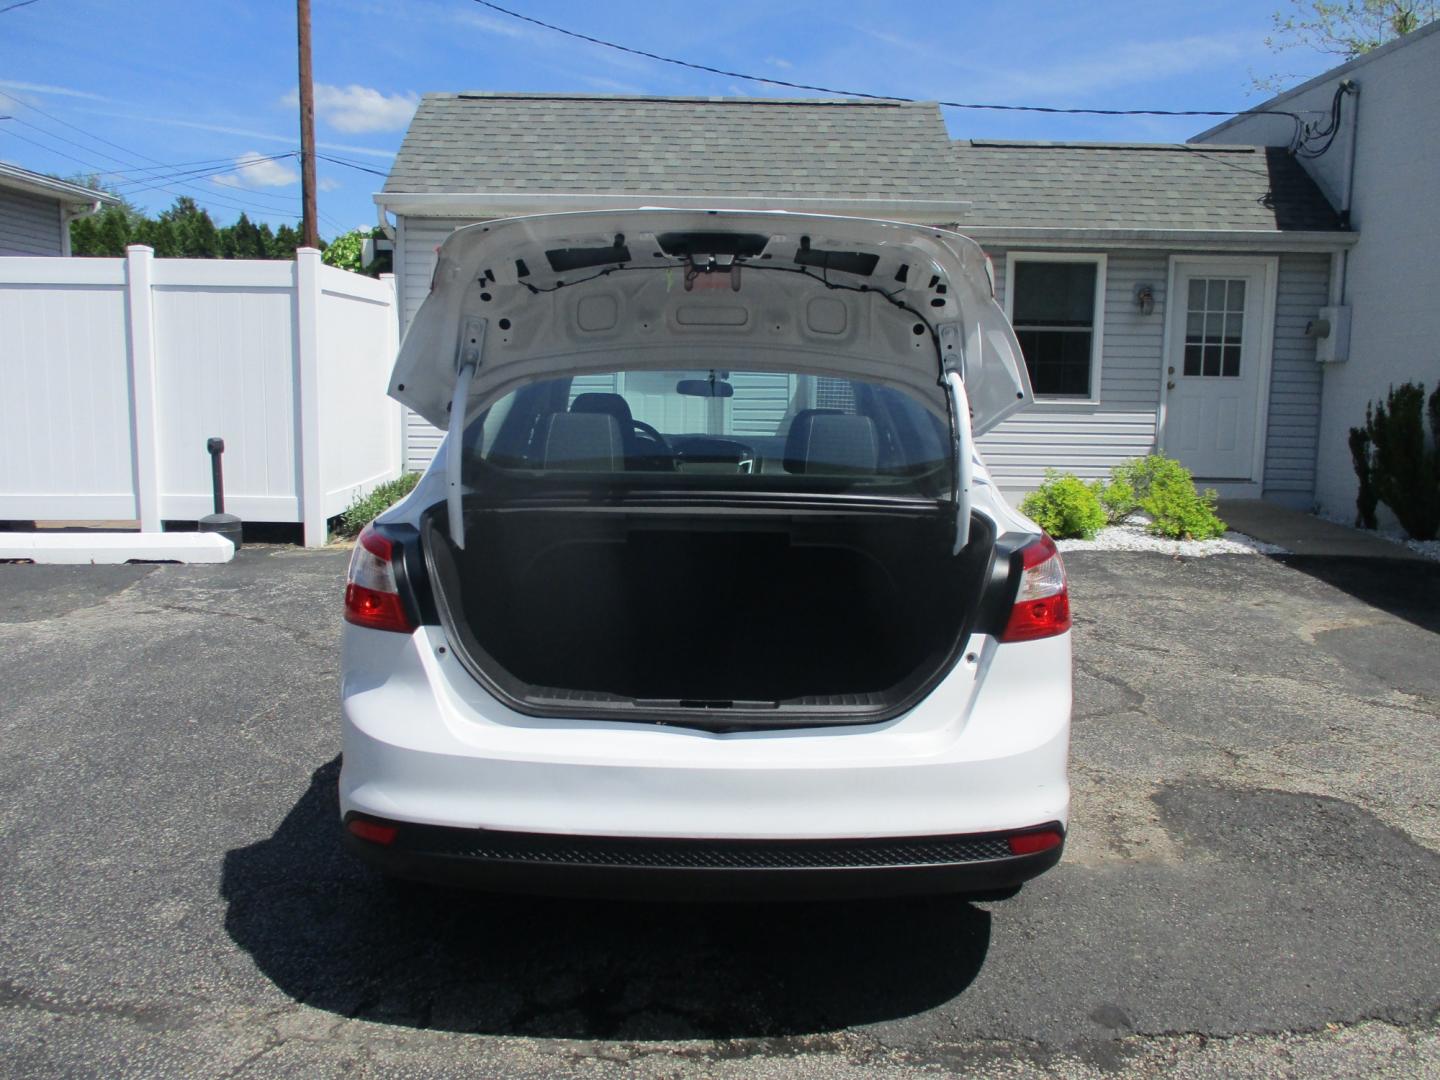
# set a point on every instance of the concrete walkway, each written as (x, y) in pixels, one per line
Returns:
(1306, 534)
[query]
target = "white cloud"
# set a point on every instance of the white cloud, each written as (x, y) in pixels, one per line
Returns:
(613, 86)
(1127, 64)
(43, 88)
(357, 108)
(223, 129)
(327, 184)
(492, 25)
(779, 62)
(258, 170)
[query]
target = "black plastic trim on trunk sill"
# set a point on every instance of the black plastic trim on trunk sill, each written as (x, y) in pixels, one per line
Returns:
(1000, 579)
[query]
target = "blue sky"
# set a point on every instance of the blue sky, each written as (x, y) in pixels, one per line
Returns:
(99, 85)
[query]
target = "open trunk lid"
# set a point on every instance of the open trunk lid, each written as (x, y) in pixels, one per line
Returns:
(531, 298)
(521, 300)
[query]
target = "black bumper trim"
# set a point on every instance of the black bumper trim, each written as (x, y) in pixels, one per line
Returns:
(665, 868)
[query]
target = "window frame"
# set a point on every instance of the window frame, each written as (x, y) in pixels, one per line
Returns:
(1097, 333)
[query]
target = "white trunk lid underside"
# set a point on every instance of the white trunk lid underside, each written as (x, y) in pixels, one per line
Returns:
(508, 300)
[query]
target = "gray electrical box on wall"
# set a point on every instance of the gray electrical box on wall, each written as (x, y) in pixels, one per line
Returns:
(1331, 331)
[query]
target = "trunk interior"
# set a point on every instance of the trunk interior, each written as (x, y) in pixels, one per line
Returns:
(598, 611)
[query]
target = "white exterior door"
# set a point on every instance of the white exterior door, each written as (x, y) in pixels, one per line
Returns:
(1217, 366)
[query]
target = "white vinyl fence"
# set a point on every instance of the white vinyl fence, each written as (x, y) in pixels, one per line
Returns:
(114, 372)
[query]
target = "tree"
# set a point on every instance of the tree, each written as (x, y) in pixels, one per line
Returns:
(183, 231)
(347, 250)
(1349, 28)
(1344, 28)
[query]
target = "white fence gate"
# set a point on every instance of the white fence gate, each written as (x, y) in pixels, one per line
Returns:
(114, 372)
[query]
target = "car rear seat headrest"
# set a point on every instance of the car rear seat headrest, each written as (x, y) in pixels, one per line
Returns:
(582, 441)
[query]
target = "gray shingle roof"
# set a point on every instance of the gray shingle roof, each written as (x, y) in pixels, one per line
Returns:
(484, 143)
(1137, 186)
(494, 143)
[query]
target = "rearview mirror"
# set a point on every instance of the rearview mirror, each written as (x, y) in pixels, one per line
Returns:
(704, 388)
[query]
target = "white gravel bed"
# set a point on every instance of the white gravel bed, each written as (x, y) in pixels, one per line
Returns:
(1133, 537)
(1430, 549)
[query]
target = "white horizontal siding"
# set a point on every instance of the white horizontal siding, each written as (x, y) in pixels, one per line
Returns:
(1089, 440)
(416, 241)
(762, 398)
(29, 224)
(1294, 424)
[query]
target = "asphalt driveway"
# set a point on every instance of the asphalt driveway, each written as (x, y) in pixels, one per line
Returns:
(1250, 884)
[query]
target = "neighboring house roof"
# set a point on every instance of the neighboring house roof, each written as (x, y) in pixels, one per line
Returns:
(1137, 186)
(18, 179)
(737, 149)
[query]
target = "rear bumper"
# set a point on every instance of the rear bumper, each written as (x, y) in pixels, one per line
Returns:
(985, 752)
(636, 868)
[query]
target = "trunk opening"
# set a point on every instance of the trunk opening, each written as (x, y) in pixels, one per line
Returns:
(717, 619)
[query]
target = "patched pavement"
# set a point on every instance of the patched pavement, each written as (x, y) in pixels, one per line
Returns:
(1250, 883)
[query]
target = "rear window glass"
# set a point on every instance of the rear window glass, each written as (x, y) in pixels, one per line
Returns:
(714, 428)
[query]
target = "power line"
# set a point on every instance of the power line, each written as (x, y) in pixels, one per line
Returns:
(215, 198)
(52, 150)
(231, 165)
(157, 172)
(881, 97)
(82, 131)
(12, 7)
(231, 203)
(350, 164)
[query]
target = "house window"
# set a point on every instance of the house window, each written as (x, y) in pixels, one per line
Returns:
(1056, 305)
(1214, 327)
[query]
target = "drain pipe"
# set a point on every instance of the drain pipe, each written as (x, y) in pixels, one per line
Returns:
(227, 525)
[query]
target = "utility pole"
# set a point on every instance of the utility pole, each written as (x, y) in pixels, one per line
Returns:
(309, 235)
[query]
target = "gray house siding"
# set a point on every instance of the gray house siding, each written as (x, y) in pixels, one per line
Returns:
(30, 224)
(1089, 440)
(1294, 428)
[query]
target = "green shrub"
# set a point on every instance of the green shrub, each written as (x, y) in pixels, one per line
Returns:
(1165, 493)
(1065, 507)
(1404, 471)
(1365, 498)
(1117, 499)
(364, 509)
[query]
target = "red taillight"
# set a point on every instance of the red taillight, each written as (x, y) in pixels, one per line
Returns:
(371, 596)
(1031, 843)
(374, 831)
(1042, 603)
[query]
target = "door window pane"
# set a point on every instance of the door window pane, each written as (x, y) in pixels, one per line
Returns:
(1053, 309)
(1214, 327)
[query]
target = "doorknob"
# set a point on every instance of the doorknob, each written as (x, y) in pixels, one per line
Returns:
(1170, 385)
(1170, 370)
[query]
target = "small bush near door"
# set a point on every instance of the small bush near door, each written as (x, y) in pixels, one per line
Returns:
(1159, 487)
(1165, 493)
(1395, 465)
(366, 508)
(1065, 507)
